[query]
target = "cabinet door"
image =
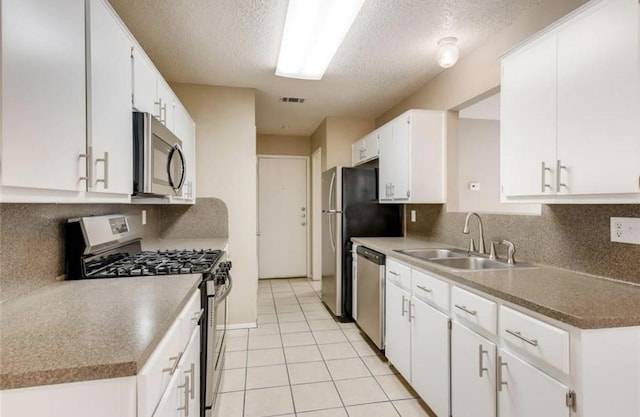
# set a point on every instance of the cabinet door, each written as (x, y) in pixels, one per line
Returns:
(371, 146)
(473, 382)
(185, 130)
(145, 84)
(430, 356)
(528, 120)
(398, 329)
(43, 94)
(385, 162)
(167, 100)
(355, 153)
(401, 169)
(527, 392)
(599, 100)
(109, 102)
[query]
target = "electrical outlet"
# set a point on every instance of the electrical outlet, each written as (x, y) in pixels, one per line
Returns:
(625, 230)
(474, 186)
(413, 216)
(144, 217)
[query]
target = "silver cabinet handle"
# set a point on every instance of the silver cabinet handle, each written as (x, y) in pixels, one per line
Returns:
(403, 301)
(186, 396)
(86, 158)
(481, 367)
(176, 359)
(394, 273)
(197, 315)
(192, 373)
(411, 307)
(500, 381)
(164, 109)
(159, 104)
(464, 308)
(544, 170)
(105, 161)
(393, 190)
(532, 342)
(559, 168)
(425, 289)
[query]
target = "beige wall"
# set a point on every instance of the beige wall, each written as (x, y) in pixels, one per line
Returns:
(226, 169)
(335, 135)
(478, 74)
(283, 145)
(479, 161)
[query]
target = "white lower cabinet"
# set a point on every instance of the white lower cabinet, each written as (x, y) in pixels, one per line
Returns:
(398, 329)
(430, 356)
(473, 374)
(524, 391)
(182, 397)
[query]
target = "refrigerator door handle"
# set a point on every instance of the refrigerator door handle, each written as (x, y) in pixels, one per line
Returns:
(332, 210)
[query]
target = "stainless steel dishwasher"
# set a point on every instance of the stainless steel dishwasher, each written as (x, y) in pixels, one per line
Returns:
(370, 294)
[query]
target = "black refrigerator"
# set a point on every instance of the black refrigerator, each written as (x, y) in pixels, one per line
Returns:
(350, 208)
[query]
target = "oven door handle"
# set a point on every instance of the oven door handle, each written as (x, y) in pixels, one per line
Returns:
(217, 299)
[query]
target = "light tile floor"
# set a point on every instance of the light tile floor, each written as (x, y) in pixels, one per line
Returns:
(300, 362)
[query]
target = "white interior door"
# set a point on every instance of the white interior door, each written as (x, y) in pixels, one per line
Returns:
(282, 217)
(316, 214)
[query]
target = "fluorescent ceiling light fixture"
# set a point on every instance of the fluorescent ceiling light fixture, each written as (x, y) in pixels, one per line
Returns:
(313, 31)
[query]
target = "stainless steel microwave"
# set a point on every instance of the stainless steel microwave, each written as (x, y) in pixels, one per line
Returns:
(159, 165)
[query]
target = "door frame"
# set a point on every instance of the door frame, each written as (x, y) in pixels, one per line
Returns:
(316, 218)
(307, 198)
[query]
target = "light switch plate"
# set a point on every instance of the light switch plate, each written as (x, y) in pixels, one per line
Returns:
(625, 230)
(413, 216)
(144, 217)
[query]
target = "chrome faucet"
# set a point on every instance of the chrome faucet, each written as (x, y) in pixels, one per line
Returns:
(472, 246)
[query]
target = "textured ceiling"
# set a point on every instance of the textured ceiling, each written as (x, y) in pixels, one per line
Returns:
(388, 53)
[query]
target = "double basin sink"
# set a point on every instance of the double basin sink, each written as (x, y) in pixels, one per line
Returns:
(460, 260)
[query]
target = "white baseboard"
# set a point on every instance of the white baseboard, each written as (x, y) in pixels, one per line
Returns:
(242, 326)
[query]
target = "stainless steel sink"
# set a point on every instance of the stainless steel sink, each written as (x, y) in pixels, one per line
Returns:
(460, 260)
(428, 254)
(476, 263)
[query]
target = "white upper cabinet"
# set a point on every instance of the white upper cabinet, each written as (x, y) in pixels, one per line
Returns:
(528, 120)
(185, 129)
(599, 100)
(109, 137)
(412, 158)
(570, 110)
(365, 149)
(145, 83)
(166, 102)
(43, 95)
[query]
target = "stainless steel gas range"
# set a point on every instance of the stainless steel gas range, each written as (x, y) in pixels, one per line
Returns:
(111, 247)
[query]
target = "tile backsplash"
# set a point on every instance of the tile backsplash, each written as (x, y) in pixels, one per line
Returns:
(32, 235)
(574, 237)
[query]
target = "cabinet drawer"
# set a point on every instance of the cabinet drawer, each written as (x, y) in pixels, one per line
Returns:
(398, 274)
(536, 337)
(189, 317)
(430, 289)
(475, 309)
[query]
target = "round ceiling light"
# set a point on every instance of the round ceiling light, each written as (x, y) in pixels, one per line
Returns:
(448, 53)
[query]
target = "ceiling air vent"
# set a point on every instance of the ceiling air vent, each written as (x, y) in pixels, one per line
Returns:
(298, 100)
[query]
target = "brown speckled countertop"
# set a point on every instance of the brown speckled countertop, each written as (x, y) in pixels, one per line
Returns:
(89, 329)
(580, 300)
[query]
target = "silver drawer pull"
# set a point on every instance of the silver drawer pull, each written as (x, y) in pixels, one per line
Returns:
(501, 381)
(532, 342)
(192, 373)
(425, 289)
(186, 397)
(174, 366)
(481, 368)
(197, 315)
(394, 273)
(464, 308)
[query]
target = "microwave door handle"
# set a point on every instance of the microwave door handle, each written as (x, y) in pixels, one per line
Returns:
(172, 153)
(183, 173)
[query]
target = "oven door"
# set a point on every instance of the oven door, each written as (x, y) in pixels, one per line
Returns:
(160, 165)
(215, 343)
